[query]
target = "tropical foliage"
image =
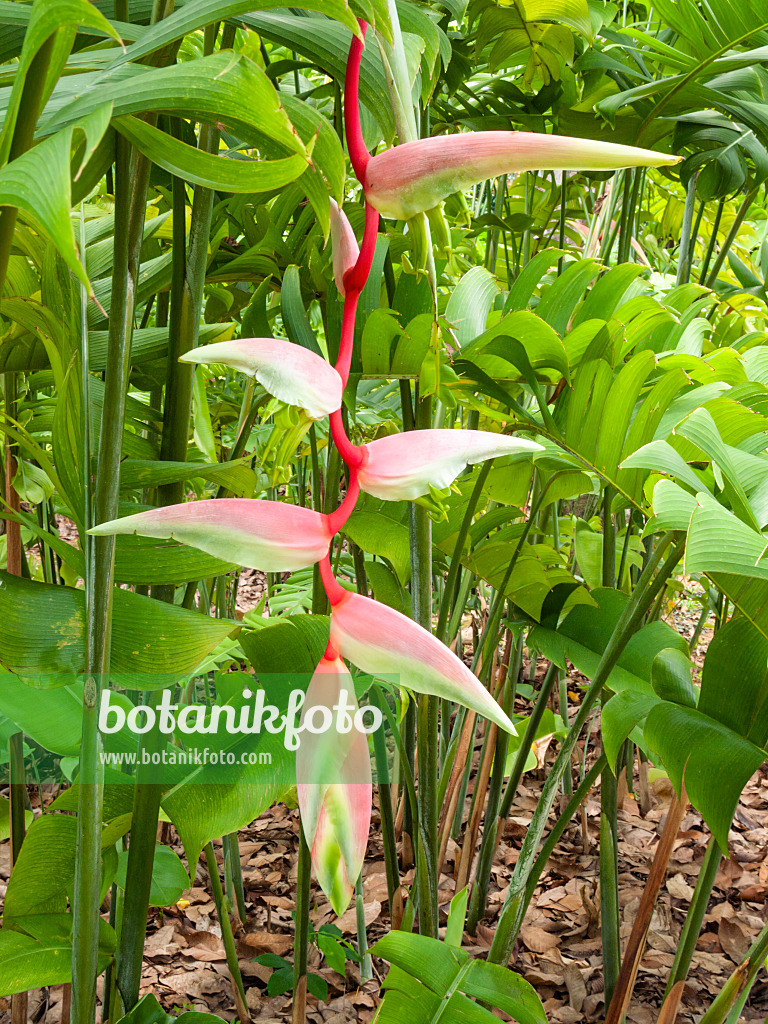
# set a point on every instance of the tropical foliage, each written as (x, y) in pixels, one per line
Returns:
(417, 309)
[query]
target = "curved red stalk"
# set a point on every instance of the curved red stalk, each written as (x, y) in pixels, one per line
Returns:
(358, 153)
(332, 587)
(354, 282)
(337, 519)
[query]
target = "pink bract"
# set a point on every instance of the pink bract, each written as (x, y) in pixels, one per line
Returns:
(409, 179)
(267, 535)
(401, 467)
(384, 643)
(290, 372)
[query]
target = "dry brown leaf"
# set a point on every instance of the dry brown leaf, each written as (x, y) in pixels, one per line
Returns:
(537, 940)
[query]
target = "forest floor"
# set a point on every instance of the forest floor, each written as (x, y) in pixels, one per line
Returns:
(559, 949)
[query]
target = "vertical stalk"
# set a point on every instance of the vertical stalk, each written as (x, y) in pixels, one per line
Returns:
(730, 238)
(366, 968)
(131, 180)
(631, 618)
(17, 792)
(386, 811)
(141, 855)
(303, 870)
(695, 916)
(609, 883)
(420, 527)
(686, 234)
(227, 935)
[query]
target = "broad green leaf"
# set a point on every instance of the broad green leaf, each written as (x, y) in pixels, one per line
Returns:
(5, 819)
(46, 18)
(38, 182)
(216, 172)
(470, 303)
(719, 542)
(714, 761)
(734, 681)
(169, 876)
(153, 643)
(584, 633)
(380, 534)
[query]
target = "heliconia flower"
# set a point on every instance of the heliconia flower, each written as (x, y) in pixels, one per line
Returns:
(343, 244)
(336, 808)
(408, 179)
(267, 535)
(290, 372)
(383, 642)
(401, 467)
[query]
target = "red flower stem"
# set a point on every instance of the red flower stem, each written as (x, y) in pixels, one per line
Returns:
(333, 588)
(354, 282)
(358, 152)
(337, 519)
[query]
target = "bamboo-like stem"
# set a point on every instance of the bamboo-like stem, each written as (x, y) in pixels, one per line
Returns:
(227, 935)
(695, 916)
(454, 569)
(132, 178)
(712, 241)
(618, 1004)
(235, 873)
(730, 238)
(609, 539)
(303, 869)
(560, 826)
(141, 855)
(491, 835)
(685, 257)
(366, 967)
(547, 685)
(645, 593)
(16, 809)
(385, 809)
(609, 883)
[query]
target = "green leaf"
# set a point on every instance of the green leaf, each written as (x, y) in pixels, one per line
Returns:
(470, 303)
(201, 168)
(380, 534)
(734, 683)
(5, 819)
(46, 18)
(719, 542)
(45, 867)
(584, 633)
(198, 13)
(153, 643)
(714, 761)
(38, 182)
(169, 876)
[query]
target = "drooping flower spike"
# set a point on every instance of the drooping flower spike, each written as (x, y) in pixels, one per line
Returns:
(383, 642)
(268, 535)
(343, 244)
(401, 467)
(333, 774)
(289, 372)
(409, 179)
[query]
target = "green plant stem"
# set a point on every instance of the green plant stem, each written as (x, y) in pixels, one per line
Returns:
(141, 855)
(609, 883)
(730, 238)
(454, 570)
(366, 968)
(755, 960)
(550, 677)
(695, 916)
(227, 935)
(514, 906)
(427, 738)
(232, 858)
(301, 940)
(131, 180)
(561, 824)
(712, 241)
(686, 234)
(479, 893)
(609, 539)
(17, 792)
(385, 806)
